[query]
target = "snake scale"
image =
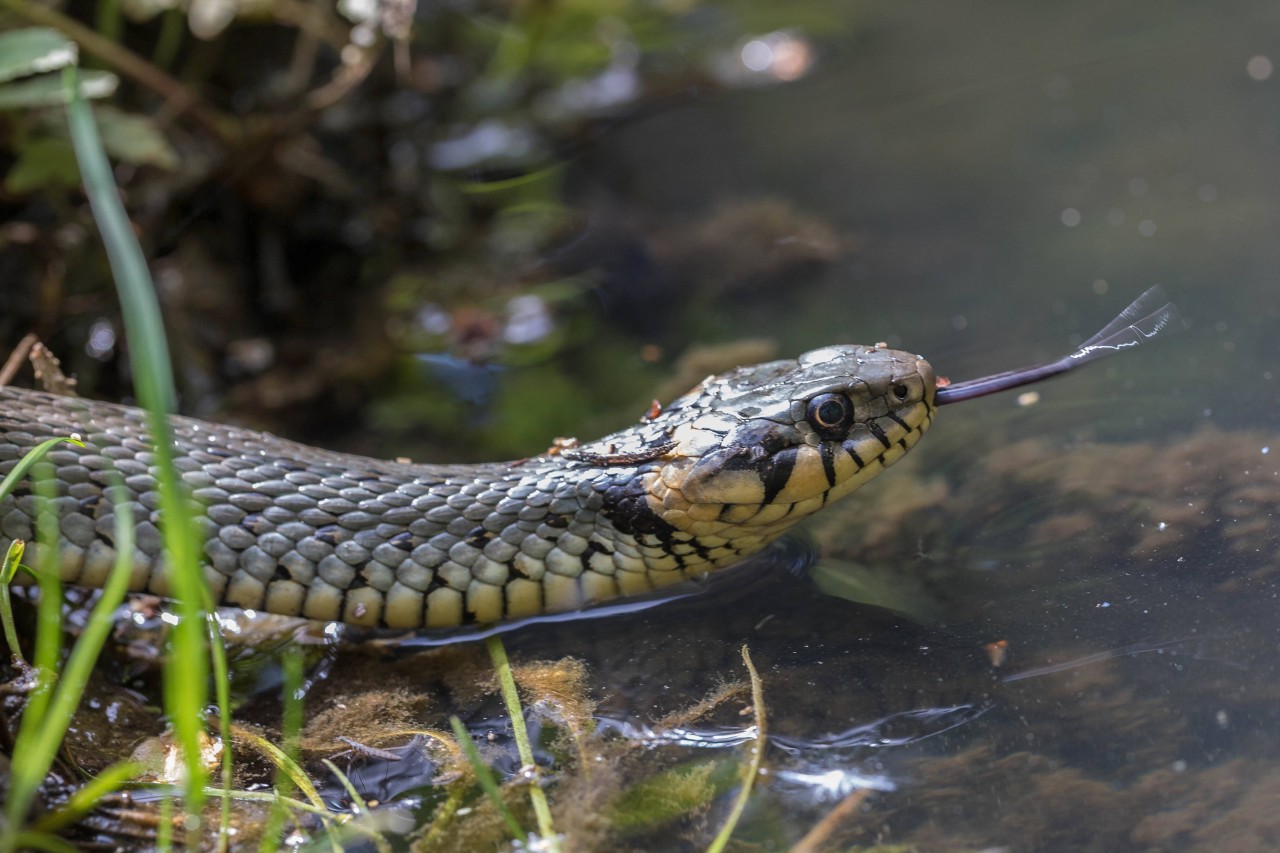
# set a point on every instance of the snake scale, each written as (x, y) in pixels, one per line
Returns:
(295, 530)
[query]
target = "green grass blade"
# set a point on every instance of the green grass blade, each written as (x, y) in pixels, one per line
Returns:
(186, 676)
(290, 732)
(300, 780)
(7, 485)
(45, 724)
(32, 753)
(290, 767)
(511, 697)
(753, 765)
(11, 561)
(86, 798)
(151, 374)
(222, 696)
(485, 777)
(360, 807)
(164, 826)
(36, 453)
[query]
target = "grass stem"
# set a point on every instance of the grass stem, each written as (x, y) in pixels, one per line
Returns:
(753, 765)
(511, 697)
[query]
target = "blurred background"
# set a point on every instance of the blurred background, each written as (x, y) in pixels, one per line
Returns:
(457, 230)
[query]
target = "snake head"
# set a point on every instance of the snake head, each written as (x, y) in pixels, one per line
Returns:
(762, 447)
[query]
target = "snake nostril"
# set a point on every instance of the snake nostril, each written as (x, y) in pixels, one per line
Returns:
(901, 391)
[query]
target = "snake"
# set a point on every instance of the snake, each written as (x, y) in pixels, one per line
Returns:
(693, 487)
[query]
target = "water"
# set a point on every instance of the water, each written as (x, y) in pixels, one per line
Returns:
(1012, 177)
(1080, 648)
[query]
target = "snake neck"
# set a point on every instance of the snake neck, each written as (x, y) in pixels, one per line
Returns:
(295, 530)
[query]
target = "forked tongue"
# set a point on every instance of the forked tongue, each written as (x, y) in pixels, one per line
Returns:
(1138, 323)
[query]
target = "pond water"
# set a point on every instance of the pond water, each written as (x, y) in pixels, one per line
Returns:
(1084, 655)
(1012, 177)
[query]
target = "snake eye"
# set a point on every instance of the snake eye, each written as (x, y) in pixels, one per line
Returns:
(901, 391)
(830, 415)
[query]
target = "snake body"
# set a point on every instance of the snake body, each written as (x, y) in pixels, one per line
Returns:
(295, 530)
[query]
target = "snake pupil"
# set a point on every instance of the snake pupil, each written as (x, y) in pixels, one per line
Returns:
(830, 415)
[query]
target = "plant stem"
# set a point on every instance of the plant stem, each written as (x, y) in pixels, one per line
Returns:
(541, 810)
(753, 766)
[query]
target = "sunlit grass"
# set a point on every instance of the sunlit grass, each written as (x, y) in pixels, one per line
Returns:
(8, 570)
(288, 774)
(13, 557)
(58, 690)
(186, 676)
(511, 698)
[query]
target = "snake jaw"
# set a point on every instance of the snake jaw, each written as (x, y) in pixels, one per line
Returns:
(725, 476)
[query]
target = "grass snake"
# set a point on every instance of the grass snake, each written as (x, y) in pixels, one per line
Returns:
(714, 477)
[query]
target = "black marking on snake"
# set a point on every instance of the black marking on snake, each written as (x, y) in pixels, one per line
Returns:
(853, 454)
(281, 574)
(899, 421)
(827, 451)
(557, 521)
(878, 431)
(626, 506)
(479, 537)
(403, 541)
(776, 471)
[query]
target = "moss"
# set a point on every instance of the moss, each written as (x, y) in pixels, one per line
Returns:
(663, 799)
